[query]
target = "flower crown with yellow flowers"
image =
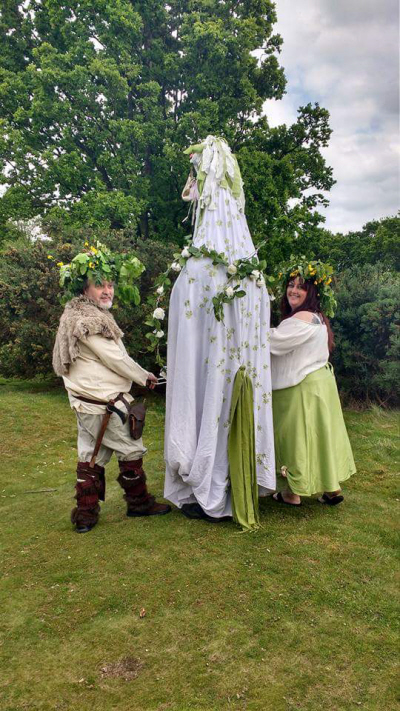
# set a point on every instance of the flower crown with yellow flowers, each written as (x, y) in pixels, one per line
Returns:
(309, 270)
(96, 263)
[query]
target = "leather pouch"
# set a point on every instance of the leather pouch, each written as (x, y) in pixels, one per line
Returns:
(136, 417)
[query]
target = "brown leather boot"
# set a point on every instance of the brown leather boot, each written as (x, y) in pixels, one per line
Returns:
(133, 481)
(90, 487)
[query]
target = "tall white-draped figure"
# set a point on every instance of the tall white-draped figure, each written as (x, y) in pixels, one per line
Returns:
(204, 354)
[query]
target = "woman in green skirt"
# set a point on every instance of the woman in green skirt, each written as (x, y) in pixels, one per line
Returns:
(312, 448)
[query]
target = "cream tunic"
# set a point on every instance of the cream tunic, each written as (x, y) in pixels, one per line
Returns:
(297, 349)
(102, 370)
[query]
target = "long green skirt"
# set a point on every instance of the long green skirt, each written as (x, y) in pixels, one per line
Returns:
(311, 439)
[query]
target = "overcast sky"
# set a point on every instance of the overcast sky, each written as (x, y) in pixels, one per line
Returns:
(344, 54)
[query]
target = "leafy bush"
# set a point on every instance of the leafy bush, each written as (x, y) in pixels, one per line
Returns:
(367, 335)
(30, 308)
(366, 323)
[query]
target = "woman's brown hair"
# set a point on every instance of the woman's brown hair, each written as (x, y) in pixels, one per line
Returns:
(311, 303)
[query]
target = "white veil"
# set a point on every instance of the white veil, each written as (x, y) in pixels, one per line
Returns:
(204, 354)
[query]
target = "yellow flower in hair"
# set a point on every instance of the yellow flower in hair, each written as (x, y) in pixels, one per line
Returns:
(91, 265)
(329, 281)
(295, 273)
(86, 244)
(49, 256)
(94, 250)
(60, 264)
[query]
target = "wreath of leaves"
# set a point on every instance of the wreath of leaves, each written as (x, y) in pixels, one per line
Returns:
(97, 263)
(321, 273)
(236, 273)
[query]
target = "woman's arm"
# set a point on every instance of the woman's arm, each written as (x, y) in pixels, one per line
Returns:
(290, 334)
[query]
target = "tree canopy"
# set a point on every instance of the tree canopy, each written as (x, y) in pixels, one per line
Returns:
(377, 241)
(98, 99)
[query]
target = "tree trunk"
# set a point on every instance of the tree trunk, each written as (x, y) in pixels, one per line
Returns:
(144, 225)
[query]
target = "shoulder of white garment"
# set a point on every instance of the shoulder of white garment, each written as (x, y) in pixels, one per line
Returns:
(306, 316)
(293, 324)
(289, 334)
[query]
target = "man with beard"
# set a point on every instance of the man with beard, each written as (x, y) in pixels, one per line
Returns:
(97, 371)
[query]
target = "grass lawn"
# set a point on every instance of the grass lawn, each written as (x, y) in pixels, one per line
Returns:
(300, 615)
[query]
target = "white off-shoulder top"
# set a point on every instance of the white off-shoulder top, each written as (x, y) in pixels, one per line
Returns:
(297, 349)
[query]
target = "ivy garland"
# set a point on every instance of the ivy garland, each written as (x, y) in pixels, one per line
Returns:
(236, 272)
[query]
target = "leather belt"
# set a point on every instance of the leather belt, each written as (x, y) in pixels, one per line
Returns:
(92, 402)
(110, 408)
(109, 404)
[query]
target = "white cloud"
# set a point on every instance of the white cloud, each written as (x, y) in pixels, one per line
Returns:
(343, 54)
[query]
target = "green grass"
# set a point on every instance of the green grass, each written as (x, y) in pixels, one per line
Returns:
(300, 615)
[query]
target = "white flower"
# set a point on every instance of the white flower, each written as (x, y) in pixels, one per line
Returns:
(271, 297)
(255, 274)
(229, 291)
(231, 269)
(159, 334)
(160, 290)
(185, 253)
(176, 267)
(159, 314)
(260, 282)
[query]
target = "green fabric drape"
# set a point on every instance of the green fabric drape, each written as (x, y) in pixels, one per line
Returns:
(242, 454)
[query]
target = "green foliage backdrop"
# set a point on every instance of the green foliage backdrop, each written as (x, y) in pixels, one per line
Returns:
(366, 324)
(30, 305)
(367, 333)
(97, 102)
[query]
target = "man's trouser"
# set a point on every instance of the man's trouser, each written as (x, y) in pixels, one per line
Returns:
(90, 485)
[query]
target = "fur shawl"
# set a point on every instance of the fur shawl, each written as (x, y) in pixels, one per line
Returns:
(81, 318)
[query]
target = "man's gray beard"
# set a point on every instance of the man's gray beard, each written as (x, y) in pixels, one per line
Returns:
(107, 306)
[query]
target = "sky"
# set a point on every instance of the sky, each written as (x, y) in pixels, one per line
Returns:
(344, 54)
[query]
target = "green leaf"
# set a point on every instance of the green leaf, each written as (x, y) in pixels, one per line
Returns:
(81, 258)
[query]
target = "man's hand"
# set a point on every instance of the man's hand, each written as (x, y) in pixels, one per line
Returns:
(151, 381)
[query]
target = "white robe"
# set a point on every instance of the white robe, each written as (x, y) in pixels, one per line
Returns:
(202, 360)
